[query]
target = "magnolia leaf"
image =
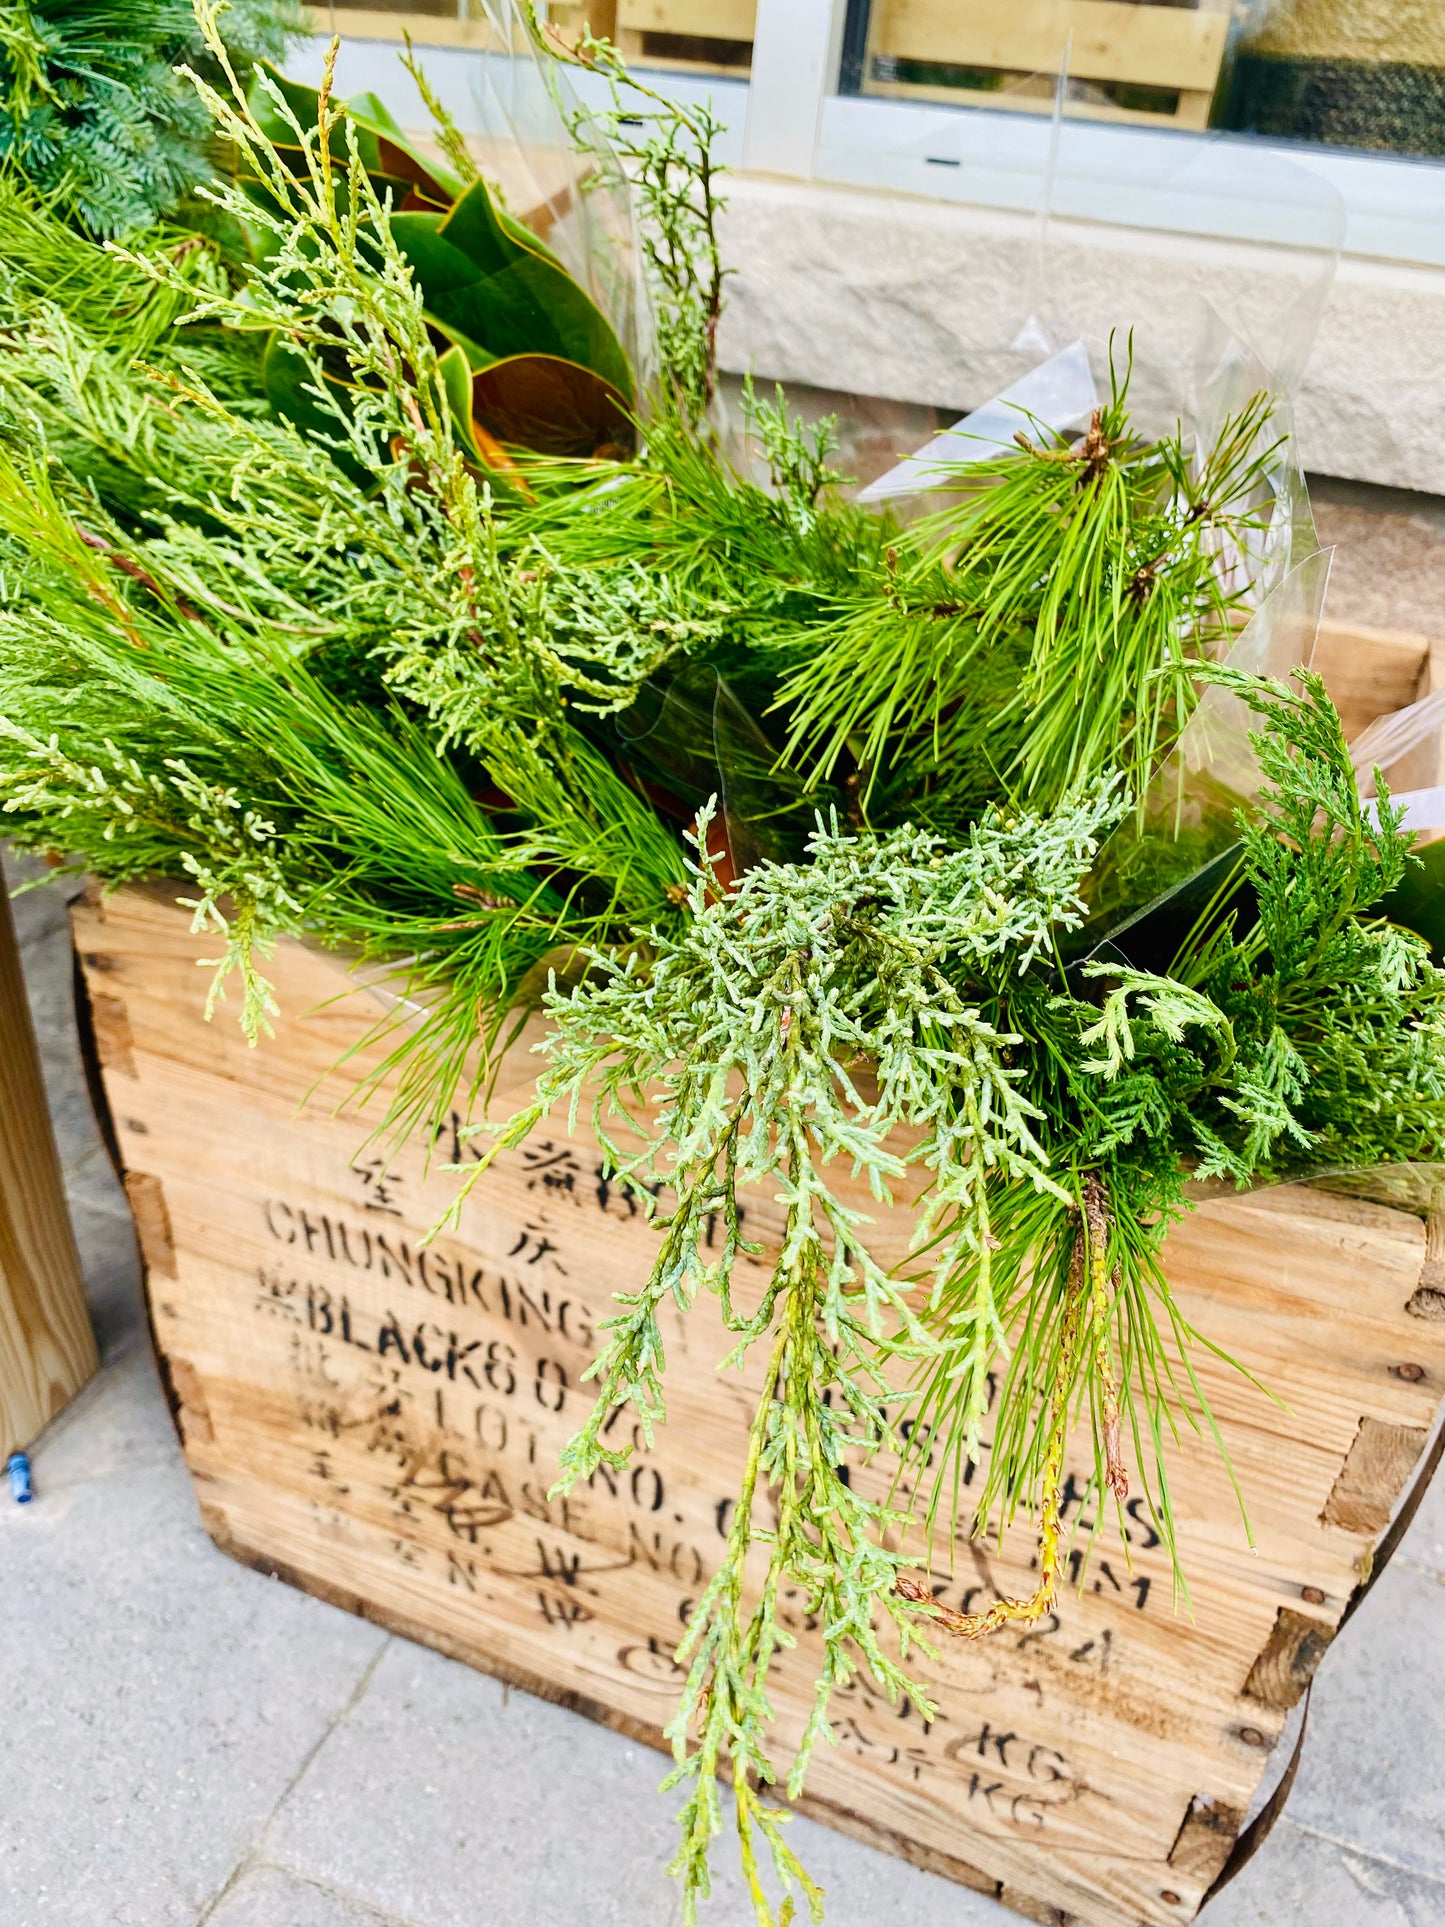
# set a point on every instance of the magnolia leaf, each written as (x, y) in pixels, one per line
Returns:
(390, 156)
(456, 374)
(553, 406)
(493, 293)
(480, 280)
(447, 338)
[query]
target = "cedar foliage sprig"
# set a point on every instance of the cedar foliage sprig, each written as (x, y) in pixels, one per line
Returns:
(249, 570)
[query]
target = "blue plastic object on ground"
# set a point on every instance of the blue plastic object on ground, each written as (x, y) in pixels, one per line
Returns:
(17, 1469)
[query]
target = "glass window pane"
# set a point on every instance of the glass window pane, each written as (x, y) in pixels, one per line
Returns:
(1155, 64)
(1364, 74)
(444, 23)
(405, 10)
(688, 36)
(1345, 73)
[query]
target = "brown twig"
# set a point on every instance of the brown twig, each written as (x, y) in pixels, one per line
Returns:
(135, 572)
(1095, 449)
(484, 899)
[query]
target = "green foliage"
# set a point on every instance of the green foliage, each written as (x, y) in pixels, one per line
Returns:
(662, 151)
(532, 360)
(352, 689)
(94, 113)
(1048, 1137)
(751, 1023)
(187, 549)
(1041, 628)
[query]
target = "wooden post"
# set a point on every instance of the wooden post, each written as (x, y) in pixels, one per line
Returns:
(47, 1348)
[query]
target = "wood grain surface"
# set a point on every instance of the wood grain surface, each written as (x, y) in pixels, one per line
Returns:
(47, 1348)
(1177, 52)
(379, 1421)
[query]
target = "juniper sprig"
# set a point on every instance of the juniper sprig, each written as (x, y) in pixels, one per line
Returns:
(751, 1027)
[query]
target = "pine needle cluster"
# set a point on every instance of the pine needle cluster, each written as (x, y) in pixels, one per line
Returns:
(1043, 626)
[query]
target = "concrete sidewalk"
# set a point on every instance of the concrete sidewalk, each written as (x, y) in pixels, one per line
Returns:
(185, 1741)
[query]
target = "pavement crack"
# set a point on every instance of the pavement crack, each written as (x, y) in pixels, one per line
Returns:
(254, 1857)
(1357, 1852)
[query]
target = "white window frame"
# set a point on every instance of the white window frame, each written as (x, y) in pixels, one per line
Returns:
(788, 119)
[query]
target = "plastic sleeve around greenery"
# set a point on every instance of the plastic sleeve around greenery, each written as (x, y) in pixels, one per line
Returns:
(1060, 393)
(1188, 822)
(1214, 299)
(568, 186)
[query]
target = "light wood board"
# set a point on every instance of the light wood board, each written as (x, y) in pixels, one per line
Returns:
(1174, 48)
(47, 1348)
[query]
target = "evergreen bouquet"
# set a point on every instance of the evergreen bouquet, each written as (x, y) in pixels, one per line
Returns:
(795, 821)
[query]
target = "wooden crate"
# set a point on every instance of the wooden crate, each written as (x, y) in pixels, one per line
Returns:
(379, 1424)
(1176, 50)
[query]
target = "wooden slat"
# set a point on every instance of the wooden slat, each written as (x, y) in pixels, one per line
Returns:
(385, 23)
(1190, 112)
(569, 18)
(47, 1348)
(701, 19)
(1107, 39)
(380, 1425)
(1370, 672)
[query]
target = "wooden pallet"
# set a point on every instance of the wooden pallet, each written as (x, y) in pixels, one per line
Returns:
(1176, 50)
(389, 23)
(656, 33)
(649, 32)
(379, 1424)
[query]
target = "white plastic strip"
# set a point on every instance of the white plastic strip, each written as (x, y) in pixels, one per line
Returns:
(1424, 809)
(1392, 737)
(1058, 394)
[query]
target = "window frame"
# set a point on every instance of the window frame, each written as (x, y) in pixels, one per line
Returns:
(788, 119)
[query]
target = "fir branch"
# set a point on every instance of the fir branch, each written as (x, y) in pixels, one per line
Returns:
(93, 112)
